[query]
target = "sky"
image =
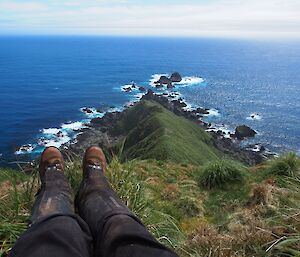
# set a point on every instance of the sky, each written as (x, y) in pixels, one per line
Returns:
(188, 18)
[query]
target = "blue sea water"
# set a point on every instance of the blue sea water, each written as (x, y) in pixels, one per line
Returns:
(44, 81)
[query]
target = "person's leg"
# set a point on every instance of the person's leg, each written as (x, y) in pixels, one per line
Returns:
(55, 229)
(115, 229)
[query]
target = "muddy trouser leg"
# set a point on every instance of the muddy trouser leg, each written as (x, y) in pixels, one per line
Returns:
(55, 230)
(116, 231)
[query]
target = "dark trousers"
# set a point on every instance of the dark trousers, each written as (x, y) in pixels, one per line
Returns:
(105, 227)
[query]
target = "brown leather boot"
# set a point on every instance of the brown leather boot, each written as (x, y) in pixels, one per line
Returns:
(96, 200)
(54, 196)
(51, 157)
(95, 157)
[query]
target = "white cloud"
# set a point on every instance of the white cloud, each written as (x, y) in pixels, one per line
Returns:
(16, 7)
(219, 18)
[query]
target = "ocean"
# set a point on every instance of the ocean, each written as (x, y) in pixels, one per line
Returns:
(46, 81)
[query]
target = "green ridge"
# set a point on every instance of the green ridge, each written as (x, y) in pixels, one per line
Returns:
(153, 132)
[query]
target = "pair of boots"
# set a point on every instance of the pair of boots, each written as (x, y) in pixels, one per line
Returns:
(104, 226)
(94, 199)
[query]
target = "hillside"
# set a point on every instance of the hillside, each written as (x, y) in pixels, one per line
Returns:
(191, 196)
(152, 132)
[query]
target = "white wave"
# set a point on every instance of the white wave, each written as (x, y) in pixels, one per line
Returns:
(73, 126)
(138, 96)
(258, 148)
(128, 104)
(51, 131)
(254, 116)
(255, 148)
(188, 107)
(25, 149)
(193, 80)
(116, 109)
(91, 113)
(212, 112)
(57, 142)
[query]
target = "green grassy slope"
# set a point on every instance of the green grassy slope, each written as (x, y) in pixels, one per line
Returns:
(156, 133)
(256, 216)
(169, 174)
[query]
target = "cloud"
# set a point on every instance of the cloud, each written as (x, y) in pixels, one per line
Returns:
(124, 17)
(16, 7)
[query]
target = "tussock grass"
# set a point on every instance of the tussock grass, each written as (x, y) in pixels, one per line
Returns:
(286, 165)
(218, 173)
(16, 198)
(286, 220)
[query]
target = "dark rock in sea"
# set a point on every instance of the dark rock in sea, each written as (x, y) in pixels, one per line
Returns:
(149, 95)
(59, 134)
(178, 103)
(87, 110)
(170, 86)
(163, 80)
(142, 89)
(226, 145)
(159, 85)
(220, 132)
(175, 77)
(201, 111)
(244, 131)
(127, 89)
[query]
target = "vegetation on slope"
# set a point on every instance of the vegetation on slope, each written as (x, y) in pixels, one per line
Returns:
(185, 192)
(256, 216)
(220, 173)
(156, 133)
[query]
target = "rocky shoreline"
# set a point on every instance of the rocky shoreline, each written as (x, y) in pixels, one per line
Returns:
(101, 131)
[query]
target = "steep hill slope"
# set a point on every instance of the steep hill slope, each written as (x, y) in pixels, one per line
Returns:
(156, 133)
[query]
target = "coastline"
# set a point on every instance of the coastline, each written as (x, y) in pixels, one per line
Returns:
(98, 122)
(101, 131)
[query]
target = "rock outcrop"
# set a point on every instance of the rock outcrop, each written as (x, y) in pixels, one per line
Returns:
(175, 77)
(163, 80)
(244, 131)
(142, 89)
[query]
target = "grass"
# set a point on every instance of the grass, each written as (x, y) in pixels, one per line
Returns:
(236, 211)
(255, 216)
(286, 165)
(218, 173)
(156, 133)
(16, 198)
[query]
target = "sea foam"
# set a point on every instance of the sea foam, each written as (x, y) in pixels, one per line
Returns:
(73, 126)
(254, 116)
